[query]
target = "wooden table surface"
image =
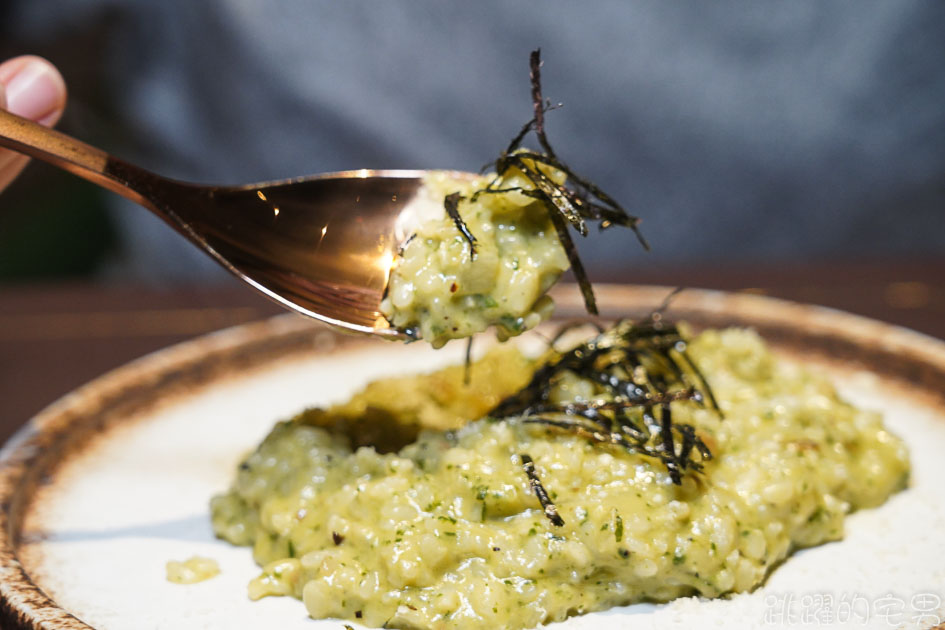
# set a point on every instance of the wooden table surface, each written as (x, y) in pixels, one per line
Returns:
(55, 338)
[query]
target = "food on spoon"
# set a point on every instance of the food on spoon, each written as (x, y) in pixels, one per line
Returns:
(439, 290)
(609, 473)
(483, 253)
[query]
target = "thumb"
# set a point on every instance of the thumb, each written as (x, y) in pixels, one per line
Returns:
(30, 87)
(34, 89)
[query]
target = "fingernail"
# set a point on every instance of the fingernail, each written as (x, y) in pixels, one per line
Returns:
(35, 92)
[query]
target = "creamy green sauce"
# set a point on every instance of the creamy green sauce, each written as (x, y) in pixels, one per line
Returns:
(441, 291)
(446, 532)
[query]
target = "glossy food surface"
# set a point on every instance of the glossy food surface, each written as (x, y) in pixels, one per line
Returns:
(442, 290)
(447, 531)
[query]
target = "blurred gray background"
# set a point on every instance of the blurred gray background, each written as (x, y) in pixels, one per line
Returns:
(738, 131)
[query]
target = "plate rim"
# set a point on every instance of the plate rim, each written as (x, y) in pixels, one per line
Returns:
(914, 359)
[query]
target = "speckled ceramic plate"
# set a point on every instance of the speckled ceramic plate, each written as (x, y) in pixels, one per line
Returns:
(109, 483)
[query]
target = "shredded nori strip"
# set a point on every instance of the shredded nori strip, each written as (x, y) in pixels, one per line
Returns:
(572, 203)
(467, 365)
(451, 203)
(642, 369)
(546, 504)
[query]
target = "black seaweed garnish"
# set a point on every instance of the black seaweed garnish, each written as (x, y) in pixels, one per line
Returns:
(451, 203)
(550, 510)
(574, 202)
(467, 364)
(641, 369)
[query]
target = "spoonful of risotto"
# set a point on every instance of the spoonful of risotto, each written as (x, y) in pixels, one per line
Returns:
(431, 255)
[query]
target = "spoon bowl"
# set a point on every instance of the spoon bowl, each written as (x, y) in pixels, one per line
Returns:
(321, 245)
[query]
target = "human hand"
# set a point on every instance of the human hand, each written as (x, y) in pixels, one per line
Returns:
(30, 87)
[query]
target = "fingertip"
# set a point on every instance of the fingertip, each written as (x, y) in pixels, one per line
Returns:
(33, 88)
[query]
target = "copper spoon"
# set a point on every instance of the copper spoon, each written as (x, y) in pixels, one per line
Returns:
(321, 245)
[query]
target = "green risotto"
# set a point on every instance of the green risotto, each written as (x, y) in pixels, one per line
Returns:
(439, 290)
(440, 528)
